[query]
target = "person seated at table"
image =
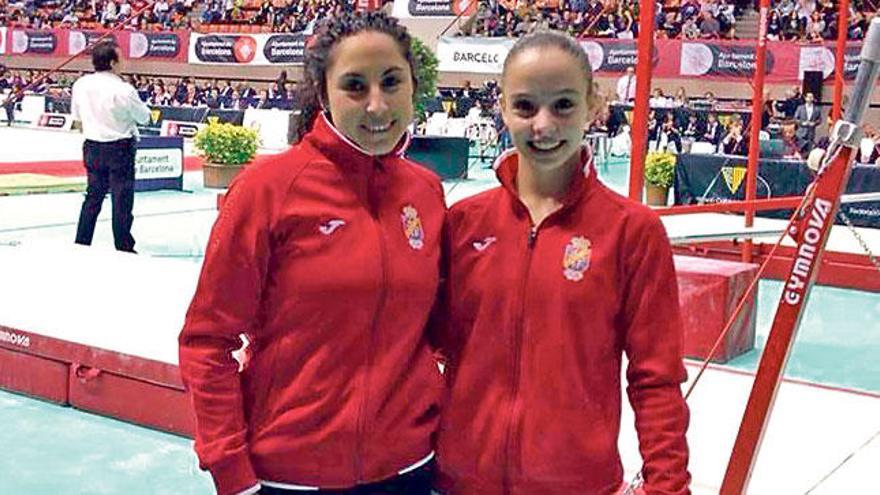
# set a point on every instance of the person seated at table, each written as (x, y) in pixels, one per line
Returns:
(668, 137)
(790, 147)
(869, 148)
(713, 129)
(693, 129)
(735, 143)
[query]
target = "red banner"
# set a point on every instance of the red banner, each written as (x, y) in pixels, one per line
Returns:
(137, 45)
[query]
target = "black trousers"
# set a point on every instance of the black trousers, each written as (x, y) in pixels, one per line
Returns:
(416, 482)
(110, 167)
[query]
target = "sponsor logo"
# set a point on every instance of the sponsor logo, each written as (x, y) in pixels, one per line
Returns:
(806, 257)
(576, 259)
(53, 121)
(285, 48)
(155, 115)
(245, 49)
(412, 227)
(478, 57)
(733, 177)
(331, 226)
(16, 339)
(483, 244)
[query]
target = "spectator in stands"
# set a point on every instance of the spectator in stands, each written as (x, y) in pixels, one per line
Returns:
(709, 26)
(291, 420)
(815, 27)
(689, 29)
(774, 26)
(570, 393)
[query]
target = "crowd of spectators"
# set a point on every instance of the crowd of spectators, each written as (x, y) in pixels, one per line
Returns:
(161, 91)
(97, 14)
(604, 18)
(800, 20)
(797, 20)
(816, 20)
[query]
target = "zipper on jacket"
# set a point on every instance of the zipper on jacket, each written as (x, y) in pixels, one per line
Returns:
(380, 305)
(517, 353)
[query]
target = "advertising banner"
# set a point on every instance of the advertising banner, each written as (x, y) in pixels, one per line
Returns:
(31, 42)
(433, 8)
(247, 49)
(477, 55)
(2, 40)
(158, 163)
(822, 58)
(168, 45)
(179, 128)
(55, 121)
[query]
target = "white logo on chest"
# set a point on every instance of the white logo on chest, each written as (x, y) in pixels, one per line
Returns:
(483, 244)
(331, 226)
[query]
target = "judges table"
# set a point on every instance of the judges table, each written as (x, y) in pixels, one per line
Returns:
(447, 156)
(717, 178)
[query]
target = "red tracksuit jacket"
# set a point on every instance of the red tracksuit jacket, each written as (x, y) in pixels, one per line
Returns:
(540, 318)
(329, 260)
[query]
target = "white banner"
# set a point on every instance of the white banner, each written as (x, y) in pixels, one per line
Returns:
(271, 125)
(404, 9)
(247, 49)
(815, 58)
(175, 128)
(478, 55)
(158, 163)
(55, 121)
(2, 40)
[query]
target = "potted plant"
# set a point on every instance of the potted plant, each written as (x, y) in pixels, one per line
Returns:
(426, 75)
(659, 173)
(226, 149)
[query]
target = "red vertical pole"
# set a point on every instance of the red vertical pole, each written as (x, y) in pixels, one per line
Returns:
(641, 109)
(842, 24)
(757, 114)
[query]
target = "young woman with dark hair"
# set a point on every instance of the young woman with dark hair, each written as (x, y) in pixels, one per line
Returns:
(327, 258)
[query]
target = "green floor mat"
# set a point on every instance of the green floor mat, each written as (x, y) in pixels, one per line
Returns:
(39, 183)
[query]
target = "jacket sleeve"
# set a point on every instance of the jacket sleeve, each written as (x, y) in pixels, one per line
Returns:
(653, 342)
(224, 306)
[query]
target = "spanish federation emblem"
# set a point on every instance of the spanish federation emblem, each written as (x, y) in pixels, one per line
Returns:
(576, 259)
(412, 227)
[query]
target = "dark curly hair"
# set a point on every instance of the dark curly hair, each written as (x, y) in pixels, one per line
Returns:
(313, 89)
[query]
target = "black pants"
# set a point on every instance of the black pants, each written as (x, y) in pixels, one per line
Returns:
(416, 482)
(110, 166)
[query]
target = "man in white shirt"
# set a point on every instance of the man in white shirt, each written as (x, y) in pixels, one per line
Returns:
(626, 86)
(108, 109)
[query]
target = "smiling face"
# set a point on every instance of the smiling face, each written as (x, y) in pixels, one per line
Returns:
(545, 104)
(370, 91)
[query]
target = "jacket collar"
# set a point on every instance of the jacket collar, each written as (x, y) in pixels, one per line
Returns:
(343, 151)
(582, 183)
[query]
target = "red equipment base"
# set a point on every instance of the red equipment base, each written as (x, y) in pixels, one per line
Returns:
(709, 291)
(131, 388)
